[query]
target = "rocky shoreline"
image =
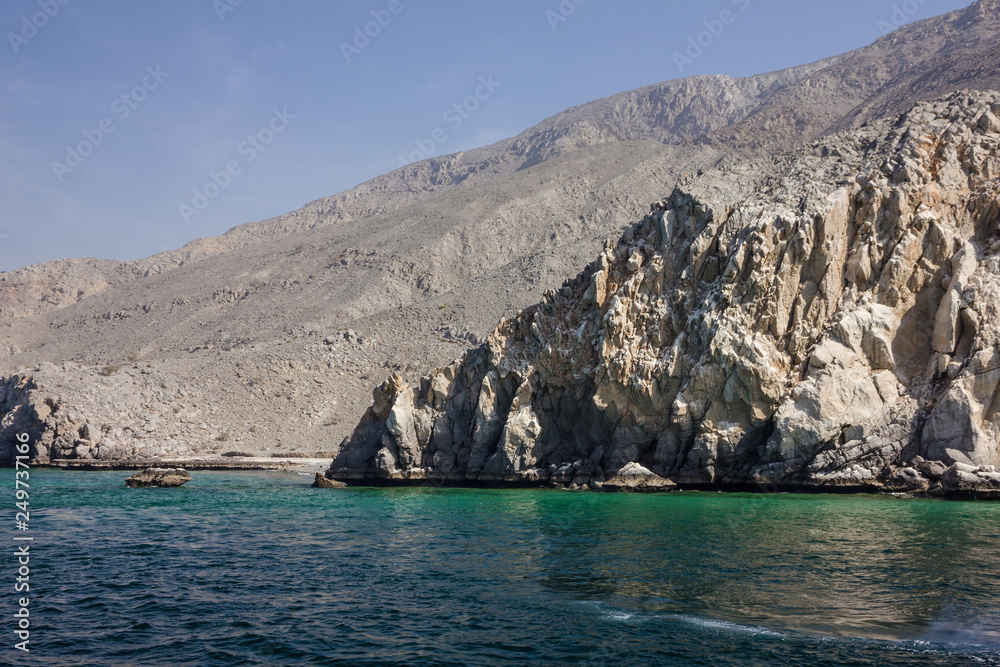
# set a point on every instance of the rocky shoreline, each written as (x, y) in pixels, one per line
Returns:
(958, 482)
(968, 488)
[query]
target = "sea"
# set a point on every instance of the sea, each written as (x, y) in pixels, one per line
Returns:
(257, 568)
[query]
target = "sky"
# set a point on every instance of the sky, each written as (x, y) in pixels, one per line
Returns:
(128, 128)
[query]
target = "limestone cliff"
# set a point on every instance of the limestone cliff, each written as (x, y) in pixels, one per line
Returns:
(830, 318)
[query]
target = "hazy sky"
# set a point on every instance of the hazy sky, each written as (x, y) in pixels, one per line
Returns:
(127, 128)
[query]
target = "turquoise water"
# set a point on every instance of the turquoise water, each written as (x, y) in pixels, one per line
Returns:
(252, 568)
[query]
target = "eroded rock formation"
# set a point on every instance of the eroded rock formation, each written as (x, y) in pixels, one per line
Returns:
(321, 482)
(825, 319)
(159, 477)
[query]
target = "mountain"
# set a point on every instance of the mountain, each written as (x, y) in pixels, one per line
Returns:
(270, 336)
(829, 318)
(742, 116)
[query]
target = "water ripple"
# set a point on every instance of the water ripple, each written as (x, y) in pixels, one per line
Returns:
(259, 569)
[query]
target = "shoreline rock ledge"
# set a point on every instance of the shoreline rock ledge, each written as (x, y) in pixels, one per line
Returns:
(159, 477)
(826, 320)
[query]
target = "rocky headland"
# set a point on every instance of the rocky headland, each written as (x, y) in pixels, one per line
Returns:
(827, 320)
(266, 341)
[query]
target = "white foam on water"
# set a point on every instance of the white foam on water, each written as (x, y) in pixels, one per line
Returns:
(975, 633)
(713, 624)
(976, 652)
(981, 633)
(620, 616)
(983, 652)
(610, 613)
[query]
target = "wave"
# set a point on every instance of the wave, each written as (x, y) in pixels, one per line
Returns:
(611, 613)
(713, 624)
(944, 639)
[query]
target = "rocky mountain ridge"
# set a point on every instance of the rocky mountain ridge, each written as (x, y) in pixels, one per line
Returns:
(767, 323)
(773, 111)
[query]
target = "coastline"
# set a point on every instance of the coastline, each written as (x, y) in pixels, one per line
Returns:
(678, 485)
(193, 463)
(313, 465)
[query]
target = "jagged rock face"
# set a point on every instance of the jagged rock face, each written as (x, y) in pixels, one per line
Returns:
(106, 418)
(829, 318)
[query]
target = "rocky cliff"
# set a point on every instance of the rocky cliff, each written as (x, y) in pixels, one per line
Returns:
(830, 318)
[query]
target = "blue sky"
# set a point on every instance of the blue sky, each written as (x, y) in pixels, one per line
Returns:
(127, 128)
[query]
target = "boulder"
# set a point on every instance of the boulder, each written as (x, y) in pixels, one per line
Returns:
(321, 482)
(162, 477)
(961, 476)
(911, 480)
(634, 477)
(955, 456)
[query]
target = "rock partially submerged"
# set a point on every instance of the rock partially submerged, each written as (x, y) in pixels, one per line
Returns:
(634, 477)
(321, 482)
(161, 477)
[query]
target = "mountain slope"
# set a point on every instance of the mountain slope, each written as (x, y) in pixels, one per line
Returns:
(772, 111)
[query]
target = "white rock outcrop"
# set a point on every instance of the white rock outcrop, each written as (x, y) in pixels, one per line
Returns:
(829, 318)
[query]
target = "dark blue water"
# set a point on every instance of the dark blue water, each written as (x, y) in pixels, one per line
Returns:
(259, 569)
